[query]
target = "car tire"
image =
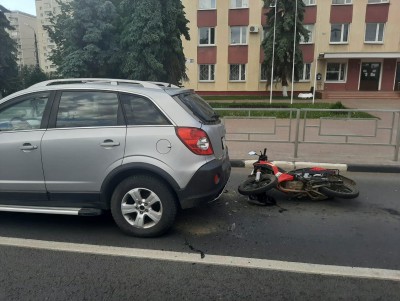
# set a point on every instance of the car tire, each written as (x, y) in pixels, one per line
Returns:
(143, 206)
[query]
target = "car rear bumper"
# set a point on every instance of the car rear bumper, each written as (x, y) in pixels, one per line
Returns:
(207, 183)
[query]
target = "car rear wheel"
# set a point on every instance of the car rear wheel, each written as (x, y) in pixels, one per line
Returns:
(143, 206)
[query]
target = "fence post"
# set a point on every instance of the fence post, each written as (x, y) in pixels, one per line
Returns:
(397, 147)
(296, 141)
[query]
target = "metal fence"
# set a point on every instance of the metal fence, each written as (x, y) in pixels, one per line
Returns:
(382, 128)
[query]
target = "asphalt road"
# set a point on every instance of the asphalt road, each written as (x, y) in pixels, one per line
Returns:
(363, 232)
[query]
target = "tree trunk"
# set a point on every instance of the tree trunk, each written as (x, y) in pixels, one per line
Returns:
(285, 85)
(284, 91)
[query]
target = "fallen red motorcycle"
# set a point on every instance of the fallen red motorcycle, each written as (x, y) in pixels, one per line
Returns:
(315, 183)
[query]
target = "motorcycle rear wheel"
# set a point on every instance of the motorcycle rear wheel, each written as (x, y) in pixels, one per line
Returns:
(345, 190)
(250, 186)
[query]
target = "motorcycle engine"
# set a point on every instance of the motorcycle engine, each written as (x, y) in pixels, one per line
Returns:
(294, 185)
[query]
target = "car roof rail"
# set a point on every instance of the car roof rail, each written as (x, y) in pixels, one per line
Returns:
(111, 81)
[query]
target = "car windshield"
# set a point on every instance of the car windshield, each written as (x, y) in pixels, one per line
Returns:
(199, 107)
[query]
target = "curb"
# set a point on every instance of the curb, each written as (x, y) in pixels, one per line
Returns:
(288, 165)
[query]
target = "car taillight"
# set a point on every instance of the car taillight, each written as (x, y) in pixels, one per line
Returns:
(196, 140)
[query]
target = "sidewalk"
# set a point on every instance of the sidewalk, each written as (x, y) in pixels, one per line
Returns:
(345, 157)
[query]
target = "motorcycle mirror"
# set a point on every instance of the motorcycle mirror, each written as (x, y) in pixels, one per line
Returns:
(252, 153)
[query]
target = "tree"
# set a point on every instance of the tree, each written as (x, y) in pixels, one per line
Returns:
(151, 40)
(8, 58)
(86, 39)
(30, 75)
(284, 37)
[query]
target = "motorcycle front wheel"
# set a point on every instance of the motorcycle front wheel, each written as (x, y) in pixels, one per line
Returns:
(251, 186)
(344, 189)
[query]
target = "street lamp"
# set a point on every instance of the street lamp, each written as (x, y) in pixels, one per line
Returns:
(294, 51)
(36, 47)
(273, 55)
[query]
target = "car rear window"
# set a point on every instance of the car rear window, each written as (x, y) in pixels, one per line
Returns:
(199, 107)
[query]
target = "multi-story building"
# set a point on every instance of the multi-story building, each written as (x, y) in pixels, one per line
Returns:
(24, 35)
(354, 46)
(44, 9)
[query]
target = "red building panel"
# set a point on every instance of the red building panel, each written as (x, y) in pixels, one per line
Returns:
(377, 13)
(206, 18)
(353, 75)
(238, 54)
(308, 52)
(238, 17)
(262, 55)
(335, 87)
(388, 74)
(341, 14)
(264, 17)
(310, 15)
(207, 55)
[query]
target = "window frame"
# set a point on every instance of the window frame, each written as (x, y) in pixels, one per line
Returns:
(376, 41)
(378, 1)
(262, 66)
(245, 4)
(240, 37)
(210, 79)
(307, 2)
(341, 34)
(341, 63)
(303, 79)
(154, 105)
(208, 8)
(240, 72)
(46, 113)
(209, 36)
(57, 99)
(311, 36)
(345, 2)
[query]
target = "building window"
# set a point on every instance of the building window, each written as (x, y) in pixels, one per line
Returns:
(239, 35)
(339, 33)
(237, 72)
(374, 32)
(335, 72)
(310, 29)
(309, 2)
(207, 36)
(264, 74)
(377, 1)
(206, 72)
(207, 4)
(239, 3)
(305, 73)
(342, 2)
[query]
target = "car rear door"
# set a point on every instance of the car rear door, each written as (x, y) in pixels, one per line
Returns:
(84, 142)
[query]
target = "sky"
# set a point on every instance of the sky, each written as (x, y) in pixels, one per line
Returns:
(26, 6)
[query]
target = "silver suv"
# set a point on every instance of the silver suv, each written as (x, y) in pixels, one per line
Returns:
(82, 146)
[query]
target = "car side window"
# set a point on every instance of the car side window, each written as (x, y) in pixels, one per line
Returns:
(141, 111)
(25, 114)
(87, 109)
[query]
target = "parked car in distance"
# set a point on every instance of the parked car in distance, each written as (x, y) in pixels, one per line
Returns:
(82, 146)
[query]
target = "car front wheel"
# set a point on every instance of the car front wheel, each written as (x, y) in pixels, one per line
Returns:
(143, 206)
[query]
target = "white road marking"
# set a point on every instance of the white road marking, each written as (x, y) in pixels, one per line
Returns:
(229, 261)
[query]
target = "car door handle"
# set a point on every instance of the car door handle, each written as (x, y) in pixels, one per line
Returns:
(109, 143)
(27, 146)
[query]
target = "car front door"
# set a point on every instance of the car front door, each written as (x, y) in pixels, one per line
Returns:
(84, 142)
(22, 126)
